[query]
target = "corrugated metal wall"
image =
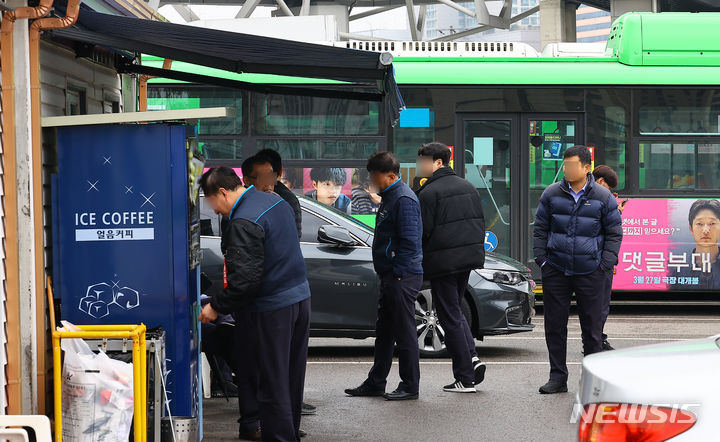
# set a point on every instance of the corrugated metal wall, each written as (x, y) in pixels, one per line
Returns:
(3, 309)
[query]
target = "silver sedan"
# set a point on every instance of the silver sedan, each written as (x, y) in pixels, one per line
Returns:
(651, 393)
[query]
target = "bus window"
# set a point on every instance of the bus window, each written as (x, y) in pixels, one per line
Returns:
(678, 111)
(679, 166)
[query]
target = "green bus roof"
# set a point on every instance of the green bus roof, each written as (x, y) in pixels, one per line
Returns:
(643, 49)
(521, 71)
(666, 39)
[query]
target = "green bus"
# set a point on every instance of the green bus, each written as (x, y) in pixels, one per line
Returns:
(648, 104)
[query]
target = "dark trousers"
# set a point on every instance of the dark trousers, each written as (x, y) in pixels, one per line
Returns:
(606, 309)
(447, 294)
(281, 338)
(590, 295)
(217, 346)
(396, 323)
(246, 372)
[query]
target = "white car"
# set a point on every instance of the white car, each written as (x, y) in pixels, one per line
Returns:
(651, 393)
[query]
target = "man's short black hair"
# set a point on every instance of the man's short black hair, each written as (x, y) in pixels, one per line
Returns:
(699, 205)
(383, 162)
(272, 157)
(607, 174)
(336, 175)
(219, 178)
(258, 158)
(581, 152)
(247, 166)
(438, 151)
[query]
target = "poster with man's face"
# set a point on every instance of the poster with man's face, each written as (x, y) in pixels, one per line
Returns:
(670, 244)
(345, 189)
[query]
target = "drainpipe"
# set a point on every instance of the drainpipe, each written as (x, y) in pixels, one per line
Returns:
(73, 8)
(142, 89)
(10, 192)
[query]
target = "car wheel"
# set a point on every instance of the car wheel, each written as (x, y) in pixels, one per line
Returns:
(431, 335)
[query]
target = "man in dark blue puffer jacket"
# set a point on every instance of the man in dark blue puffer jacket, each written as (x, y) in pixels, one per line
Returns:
(577, 236)
(397, 256)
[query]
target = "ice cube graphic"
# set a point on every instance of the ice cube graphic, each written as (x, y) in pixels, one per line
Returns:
(99, 309)
(101, 296)
(127, 298)
(85, 303)
(96, 292)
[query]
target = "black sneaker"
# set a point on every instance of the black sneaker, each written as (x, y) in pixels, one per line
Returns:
(553, 387)
(308, 410)
(364, 391)
(459, 387)
(606, 345)
(479, 367)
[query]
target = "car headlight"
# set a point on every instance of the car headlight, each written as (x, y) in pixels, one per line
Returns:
(501, 276)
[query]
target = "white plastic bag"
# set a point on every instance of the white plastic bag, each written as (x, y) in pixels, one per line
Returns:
(97, 403)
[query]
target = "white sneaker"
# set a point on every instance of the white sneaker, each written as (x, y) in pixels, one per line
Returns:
(459, 387)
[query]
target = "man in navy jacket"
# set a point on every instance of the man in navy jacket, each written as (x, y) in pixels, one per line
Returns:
(577, 236)
(265, 276)
(397, 256)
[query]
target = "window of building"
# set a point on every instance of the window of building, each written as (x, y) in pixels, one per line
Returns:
(111, 105)
(75, 100)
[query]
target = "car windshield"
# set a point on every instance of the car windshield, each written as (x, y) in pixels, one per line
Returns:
(320, 206)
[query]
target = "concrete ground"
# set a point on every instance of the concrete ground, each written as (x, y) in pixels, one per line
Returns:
(506, 407)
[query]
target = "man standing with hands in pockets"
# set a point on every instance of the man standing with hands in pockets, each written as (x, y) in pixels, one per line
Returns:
(577, 236)
(397, 256)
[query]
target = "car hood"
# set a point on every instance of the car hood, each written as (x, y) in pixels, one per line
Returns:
(684, 372)
(494, 261)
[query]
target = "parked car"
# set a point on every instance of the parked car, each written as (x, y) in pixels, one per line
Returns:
(667, 391)
(499, 298)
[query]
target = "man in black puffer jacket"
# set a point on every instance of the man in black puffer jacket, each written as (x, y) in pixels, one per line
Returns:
(453, 245)
(577, 236)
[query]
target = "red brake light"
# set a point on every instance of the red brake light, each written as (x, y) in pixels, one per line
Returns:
(632, 422)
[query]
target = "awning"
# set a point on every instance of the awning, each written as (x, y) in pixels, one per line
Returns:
(242, 53)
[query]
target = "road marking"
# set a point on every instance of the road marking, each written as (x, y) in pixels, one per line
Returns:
(611, 337)
(436, 363)
(643, 318)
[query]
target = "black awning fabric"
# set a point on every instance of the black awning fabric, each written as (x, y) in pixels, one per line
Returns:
(263, 88)
(236, 52)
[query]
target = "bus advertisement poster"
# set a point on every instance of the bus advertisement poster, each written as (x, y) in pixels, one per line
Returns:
(552, 147)
(669, 244)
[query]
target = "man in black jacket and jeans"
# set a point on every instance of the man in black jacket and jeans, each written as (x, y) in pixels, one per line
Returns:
(577, 236)
(453, 245)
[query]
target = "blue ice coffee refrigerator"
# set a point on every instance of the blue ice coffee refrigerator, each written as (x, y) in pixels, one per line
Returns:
(126, 238)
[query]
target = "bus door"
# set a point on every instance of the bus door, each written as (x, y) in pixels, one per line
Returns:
(511, 159)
